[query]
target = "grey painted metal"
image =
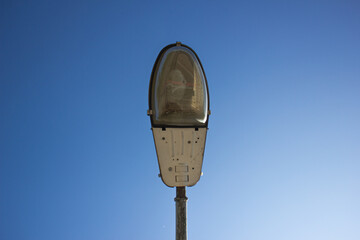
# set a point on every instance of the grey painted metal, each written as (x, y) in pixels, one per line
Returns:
(181, 214)
(180, 153)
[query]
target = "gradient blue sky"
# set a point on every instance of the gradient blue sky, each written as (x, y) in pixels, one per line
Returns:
(77, 159)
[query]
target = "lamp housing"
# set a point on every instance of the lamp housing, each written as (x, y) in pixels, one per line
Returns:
(179, 113)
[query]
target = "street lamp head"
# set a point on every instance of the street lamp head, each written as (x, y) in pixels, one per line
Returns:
(178, 93)
(179, 113)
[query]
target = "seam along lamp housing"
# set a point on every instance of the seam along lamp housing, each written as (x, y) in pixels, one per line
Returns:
(179, 113)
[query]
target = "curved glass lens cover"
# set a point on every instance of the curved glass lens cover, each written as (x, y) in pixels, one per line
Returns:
(179, 88)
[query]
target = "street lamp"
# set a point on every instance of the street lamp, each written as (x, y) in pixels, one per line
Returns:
(179, 114)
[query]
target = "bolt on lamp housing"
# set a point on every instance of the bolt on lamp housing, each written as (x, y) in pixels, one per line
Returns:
(179, 110)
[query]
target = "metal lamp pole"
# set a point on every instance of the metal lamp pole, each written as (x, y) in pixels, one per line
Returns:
(179, 113)
(181, 216)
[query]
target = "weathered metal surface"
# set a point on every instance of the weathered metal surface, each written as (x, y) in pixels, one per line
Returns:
(181, 214)
(180, 154)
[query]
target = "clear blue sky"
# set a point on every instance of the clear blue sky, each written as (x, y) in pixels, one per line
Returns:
(77, 158)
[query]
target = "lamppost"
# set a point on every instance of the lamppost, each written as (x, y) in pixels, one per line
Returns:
(179, 114)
